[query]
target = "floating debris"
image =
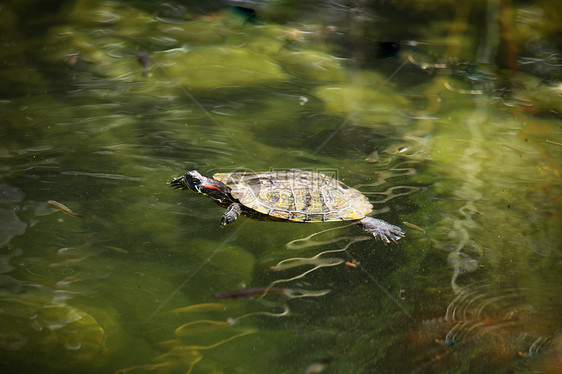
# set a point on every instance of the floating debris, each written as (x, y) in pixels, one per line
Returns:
(63, 209)
(478, 212)
(317, 367)
(373, 157)
(252, 292)
(262, 291)
(204, 307)
(426, 66)
(413, 226)
(116, 249)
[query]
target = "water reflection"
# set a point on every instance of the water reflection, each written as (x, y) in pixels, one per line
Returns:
(467, 153)
(502, 321)
(46, 327)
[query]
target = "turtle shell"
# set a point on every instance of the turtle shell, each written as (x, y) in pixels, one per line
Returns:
(297, 195)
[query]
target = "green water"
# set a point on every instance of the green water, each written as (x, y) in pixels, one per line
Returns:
(456, 137)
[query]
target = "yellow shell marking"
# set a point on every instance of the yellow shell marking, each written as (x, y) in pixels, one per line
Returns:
(297, 195)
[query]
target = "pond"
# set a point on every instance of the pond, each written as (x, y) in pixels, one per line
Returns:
(445, 116)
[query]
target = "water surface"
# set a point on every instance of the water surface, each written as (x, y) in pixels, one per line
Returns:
(446, 119)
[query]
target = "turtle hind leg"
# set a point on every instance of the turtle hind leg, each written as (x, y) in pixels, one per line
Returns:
(232, 212)
(381, 229)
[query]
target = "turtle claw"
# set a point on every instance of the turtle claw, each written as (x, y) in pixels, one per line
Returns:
(178, 183)
(382, 230)
(232, 212)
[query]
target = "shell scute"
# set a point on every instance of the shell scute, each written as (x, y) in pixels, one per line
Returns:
(297, 195)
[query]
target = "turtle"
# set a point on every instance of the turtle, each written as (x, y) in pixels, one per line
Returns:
(291, 195)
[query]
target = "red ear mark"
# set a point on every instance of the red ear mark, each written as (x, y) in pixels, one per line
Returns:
(211, 187)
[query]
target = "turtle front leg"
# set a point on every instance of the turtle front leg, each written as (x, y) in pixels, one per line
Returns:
(232, 212)
(381, 229)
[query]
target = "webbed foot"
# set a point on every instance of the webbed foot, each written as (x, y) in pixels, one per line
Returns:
(232, 212)
(381, 229)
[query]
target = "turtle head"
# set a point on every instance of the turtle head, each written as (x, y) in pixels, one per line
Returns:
(206, 186)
